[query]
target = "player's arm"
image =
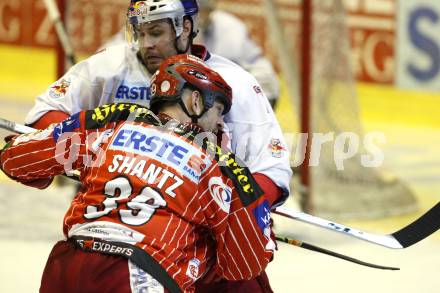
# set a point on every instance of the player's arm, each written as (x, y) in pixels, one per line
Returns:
(245, 248)
(240, 218)
(77, 90)
(250, 116)
(34, 158)
(48, 118)
(272, 192)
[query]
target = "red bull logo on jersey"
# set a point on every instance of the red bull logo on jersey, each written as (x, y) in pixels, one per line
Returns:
(59, 89)
(161, 146)
(221, 193)
(277, 148)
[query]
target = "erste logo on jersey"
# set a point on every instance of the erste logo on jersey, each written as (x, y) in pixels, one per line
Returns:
(127, 92)
(221, 193)
(59, 89)
(163, 147)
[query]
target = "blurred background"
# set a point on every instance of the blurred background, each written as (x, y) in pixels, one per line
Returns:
(353, 66)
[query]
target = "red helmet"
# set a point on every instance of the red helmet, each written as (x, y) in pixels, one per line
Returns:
(183, 70)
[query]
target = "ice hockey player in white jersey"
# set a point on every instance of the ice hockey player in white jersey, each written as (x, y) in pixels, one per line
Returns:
(224, 34)
(160, 29)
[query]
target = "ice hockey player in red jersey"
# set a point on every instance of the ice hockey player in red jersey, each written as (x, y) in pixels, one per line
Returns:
(159, 29)
(161, 203)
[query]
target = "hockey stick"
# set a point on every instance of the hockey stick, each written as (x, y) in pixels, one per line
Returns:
(405, 237)
(54, 15)
(332, 253)
(15, 127)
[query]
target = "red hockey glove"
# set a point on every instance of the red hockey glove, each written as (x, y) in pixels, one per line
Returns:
(37, 183)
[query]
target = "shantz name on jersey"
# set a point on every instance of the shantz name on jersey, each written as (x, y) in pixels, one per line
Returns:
(150, 173)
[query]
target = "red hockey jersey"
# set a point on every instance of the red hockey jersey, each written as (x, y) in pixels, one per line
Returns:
(156, 184)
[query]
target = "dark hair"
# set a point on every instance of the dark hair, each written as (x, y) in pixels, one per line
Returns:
(162, 103)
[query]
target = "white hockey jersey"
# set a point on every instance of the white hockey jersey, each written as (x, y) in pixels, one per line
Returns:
(227, 36)
(117, 75)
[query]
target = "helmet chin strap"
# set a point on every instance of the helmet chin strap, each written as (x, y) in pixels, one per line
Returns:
(194, 118)
(186, 48)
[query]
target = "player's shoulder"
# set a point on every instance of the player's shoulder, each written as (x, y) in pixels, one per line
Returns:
(227, 68)
(116, 112)
(244, 85)
(109, 61)
(249, 101)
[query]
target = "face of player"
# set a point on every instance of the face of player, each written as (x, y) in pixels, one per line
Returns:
(157, 42)
(212, 120)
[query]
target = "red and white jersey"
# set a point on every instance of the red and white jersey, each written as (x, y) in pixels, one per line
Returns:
(116, 75)
(147, 183)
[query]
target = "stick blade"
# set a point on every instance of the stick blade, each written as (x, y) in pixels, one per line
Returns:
(420, 228)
